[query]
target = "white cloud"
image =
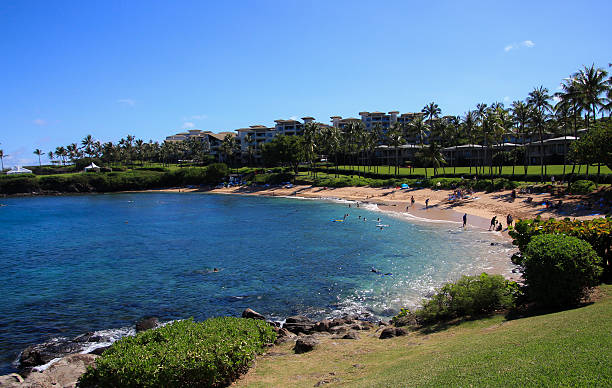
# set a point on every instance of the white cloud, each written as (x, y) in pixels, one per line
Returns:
(514, 46)
(126, 102)
(506, 99)
(293, 118)
(40, 122)
(188, 124)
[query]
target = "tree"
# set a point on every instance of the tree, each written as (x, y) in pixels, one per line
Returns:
(285, 150)
(570, 100)
(395, 140)
(38, 152)
(62, 153)
(469, 126)
(249, 140)
(431, 110)
(595, 146)
(88, 143)
(51, 156)
(228, 147)
(591, 83)
(2, 159)
(539, 99)
(521, 113)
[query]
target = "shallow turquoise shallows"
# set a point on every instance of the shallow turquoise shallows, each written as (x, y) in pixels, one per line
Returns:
(81, 263)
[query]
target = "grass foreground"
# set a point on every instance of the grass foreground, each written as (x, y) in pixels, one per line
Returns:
(567, 348)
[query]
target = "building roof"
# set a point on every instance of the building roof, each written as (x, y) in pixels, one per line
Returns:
(349, 119)
(394, 111)
(308, 118)
(335, 117)
(285, 121)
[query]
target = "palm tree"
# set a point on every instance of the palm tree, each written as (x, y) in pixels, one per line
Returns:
(469, 125)
(432, 110)
(539, 99)
(521, 113)
(62, 153)
(51, 156)
(87, 144)
(139, 148)
(395, 140)
(2, 159)
(228, 147)
(310, 136)
(249, 140)
(38, 152)
(592, 83)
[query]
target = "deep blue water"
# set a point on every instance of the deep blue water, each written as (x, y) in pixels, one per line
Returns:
(81, 263)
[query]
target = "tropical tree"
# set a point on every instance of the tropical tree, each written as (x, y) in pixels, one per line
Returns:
(539, 99)
(62, 153)
(2, 159)
(228, 147)
(591, 83)
(88, 144)
(395, 140)
(38, 152)
(249, 140)
(469, 126)
(432, 111)
(521, 113)
(51, 156)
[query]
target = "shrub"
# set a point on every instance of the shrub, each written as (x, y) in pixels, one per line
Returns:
(182, 354)
(582, 186)
(597, 232)
(216, 172)
(23, 183)
(470, 296)
(559, 270)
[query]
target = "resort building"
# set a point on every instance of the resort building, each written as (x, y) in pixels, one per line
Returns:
(553, 150)
(213, 140)
(339, 122)
(254, 136)
(385, 120)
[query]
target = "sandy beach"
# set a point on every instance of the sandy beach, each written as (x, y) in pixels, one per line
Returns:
(480, 208)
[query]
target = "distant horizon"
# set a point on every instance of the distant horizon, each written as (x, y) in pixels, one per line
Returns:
(154, 69)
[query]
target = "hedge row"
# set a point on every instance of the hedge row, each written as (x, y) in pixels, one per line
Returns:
(113, 181)
(212, 353)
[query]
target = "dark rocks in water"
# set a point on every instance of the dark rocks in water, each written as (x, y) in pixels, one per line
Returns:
(99, 351)
(390, 332)
(351, 335)
(305, 344)
(41, 354)
(252, 314)
(146, 324)
(299, 324)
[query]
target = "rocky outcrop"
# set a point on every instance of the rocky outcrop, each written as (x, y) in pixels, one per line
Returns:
(351, 335)
(248, 313)
(390, 332)
(305, 344)
(299, 324)
(41, 354)
(147, 324)
(63, 373)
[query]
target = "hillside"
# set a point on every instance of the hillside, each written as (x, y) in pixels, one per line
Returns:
(568, 348)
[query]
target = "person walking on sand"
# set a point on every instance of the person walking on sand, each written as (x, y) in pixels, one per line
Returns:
(493, 222)
(427, 203)
(464, 220)
(412, 201)
(509, 220)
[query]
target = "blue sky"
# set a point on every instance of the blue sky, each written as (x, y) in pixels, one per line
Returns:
(152, 68)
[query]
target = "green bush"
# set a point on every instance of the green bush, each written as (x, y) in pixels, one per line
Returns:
(22, 183)
(558, 270)
(182, 354)
(597, 232)
(216, 172)
(582, 186)
(470, 296)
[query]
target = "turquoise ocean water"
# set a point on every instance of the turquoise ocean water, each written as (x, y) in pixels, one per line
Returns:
(82, 263)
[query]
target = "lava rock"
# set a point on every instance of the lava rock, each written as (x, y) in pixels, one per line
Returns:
(147, 324)
(390, 332)
(351, 335)
(299, 324)
(252, 314)
(41, 354)
(323, 325)
(305, 344)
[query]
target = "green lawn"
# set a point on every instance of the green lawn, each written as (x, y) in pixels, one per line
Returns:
(556, 170)
(568, 348)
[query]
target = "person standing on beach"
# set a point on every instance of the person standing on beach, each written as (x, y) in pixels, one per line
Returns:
(509, 220)
(412, 201)
(493, 222)
(427, 203)
(464, 220)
